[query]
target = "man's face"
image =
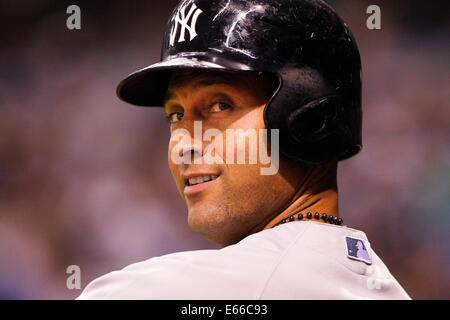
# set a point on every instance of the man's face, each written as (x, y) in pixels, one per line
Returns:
(239, 200)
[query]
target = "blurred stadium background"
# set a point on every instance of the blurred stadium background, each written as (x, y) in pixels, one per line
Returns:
(84, 177)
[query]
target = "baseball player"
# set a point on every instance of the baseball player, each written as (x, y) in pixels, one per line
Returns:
(289, 72)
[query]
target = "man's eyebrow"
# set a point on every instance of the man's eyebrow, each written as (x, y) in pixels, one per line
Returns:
(204, 83)
(223, 80)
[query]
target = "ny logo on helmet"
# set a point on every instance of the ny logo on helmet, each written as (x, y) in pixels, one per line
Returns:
(182, 19)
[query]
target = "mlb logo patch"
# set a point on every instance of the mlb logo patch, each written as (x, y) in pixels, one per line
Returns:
(357, 249)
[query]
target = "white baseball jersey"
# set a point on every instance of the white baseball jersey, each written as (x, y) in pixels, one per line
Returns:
(295, 260)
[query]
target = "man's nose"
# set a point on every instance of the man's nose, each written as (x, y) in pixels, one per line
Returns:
(186, 147)
(191, 152)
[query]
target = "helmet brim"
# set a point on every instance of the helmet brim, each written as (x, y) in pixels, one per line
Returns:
(147, 86)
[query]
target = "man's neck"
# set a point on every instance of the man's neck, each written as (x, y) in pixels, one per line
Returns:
(325, 201)
(317, 193)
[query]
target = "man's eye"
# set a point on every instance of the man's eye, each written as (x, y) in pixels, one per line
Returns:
(175, 117)
(219, 106)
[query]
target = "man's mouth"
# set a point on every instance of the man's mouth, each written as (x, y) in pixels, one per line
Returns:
(200, 179)
(199, 182)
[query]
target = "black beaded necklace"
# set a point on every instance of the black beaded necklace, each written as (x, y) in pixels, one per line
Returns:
(325, 217)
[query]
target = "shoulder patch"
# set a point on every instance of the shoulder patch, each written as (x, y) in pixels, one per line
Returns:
(357, 249)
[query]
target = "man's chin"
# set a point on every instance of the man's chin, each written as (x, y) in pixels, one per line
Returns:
(201, 221)
(209, 225)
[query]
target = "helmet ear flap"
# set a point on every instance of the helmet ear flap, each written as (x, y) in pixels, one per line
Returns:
(312, 122)
(314, 129)
(321, 130)
(316, 124)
